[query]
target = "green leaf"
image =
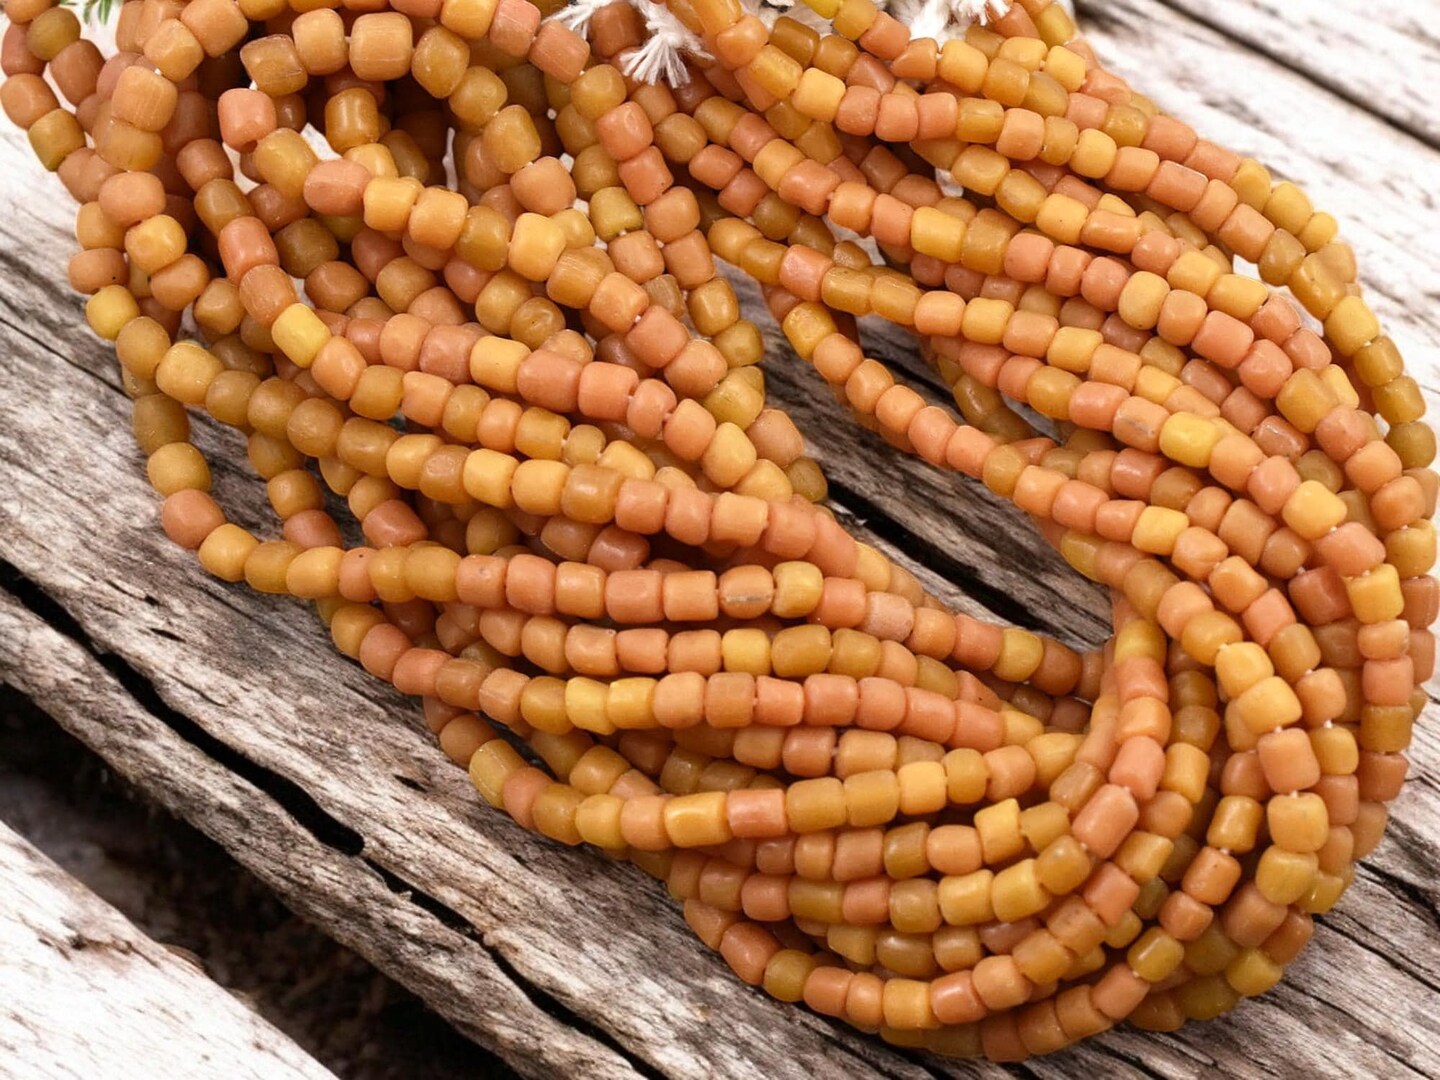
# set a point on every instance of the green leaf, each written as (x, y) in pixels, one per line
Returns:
(93, 11)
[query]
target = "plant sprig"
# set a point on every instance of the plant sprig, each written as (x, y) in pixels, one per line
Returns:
(93, 11)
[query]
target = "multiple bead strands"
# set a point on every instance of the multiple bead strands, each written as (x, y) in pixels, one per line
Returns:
(590, 528)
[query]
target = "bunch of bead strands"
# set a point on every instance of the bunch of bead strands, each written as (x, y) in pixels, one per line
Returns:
(591, 528)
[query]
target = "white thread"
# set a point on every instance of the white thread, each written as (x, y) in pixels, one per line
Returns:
(662, 56)
(577, 16)
(944, 19)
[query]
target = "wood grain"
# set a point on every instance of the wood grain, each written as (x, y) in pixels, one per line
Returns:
(315, 862)
(84, 993)
(233, 710)
(1384, 58)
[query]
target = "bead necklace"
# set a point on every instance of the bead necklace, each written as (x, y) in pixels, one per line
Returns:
(591, 530)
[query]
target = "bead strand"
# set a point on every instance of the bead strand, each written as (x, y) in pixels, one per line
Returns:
(537, 397)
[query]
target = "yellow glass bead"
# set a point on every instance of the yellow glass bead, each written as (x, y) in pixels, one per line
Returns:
(1305, 400)
(1351, 325)
(1283, 877)
(488, 476)
(1325, 892)
(697, 820)
(1016, 893)
(597, 820)
(300, 334)
(110, 309)
(923, 787)
(985, 320)
(1252, 973)
(965, 899)
(224, 551)
(871, 798)
(1194, 272)
(1045, 822)
(1411, 550)
(1066, 67)
(818, 95)
(962, 65)
(1072, 348)
(1020, 655)
(495, 363)
(1141, 299)
(1288, 207)
(965, 776)
(812, 805)
(1157, 529)
(1140, 638)
(1267, 705)
(937, 234)
(1298, 823)
(797, 589)
(585, 703)
(536, 242)
(999, 828)
(1155, 384)
(491, 765)
(1241, 666)
(1313, 510)
(1338, 381)
(1061, 218)
(1154, 955)
(1237, 296)
(1376, 597)
(631, 704)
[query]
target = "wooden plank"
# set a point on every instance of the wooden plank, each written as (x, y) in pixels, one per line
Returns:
(189, 894)
(1384, 58)
(84, 993)
(319, 766)
(312, 860)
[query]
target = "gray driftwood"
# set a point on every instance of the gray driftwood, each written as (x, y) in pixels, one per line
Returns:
(232, 710)
(84, 993)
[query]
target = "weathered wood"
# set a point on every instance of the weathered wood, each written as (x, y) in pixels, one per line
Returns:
(1383, 57)
(84, 993)
(186, 892)
(233, 710)
(312, 860)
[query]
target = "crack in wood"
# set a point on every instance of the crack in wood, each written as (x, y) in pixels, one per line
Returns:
(1323, 1003)
(218, 819)
(996, 598)
(1410, 891)
(299, 805)
(567, 1016)
(84, 993)
(325, 828)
